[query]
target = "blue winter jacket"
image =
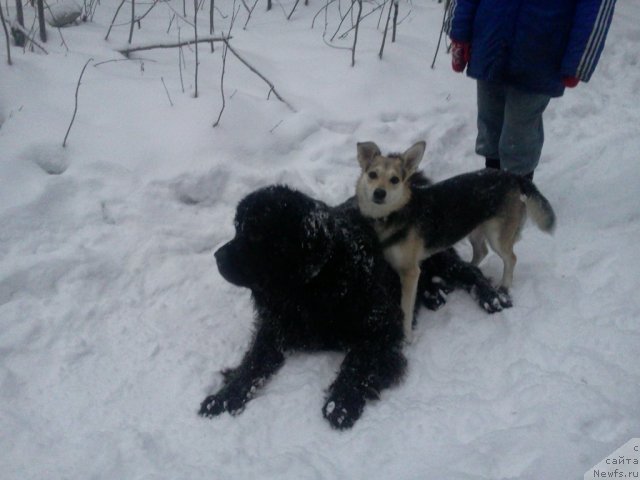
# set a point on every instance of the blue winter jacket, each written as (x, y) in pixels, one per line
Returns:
(531, 44)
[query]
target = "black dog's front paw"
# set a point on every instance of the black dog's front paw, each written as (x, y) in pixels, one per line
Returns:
(434, 292)
(223, 401)
(342, 413)
(434, 300)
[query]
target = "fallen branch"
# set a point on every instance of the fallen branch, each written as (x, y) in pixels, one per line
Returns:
(266, 80)
(137, 48)
(124, 60)
(75, 108)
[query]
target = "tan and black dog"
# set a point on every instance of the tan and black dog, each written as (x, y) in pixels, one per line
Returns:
(415, 219)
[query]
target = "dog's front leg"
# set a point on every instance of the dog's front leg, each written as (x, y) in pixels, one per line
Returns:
(262, 360)
(409, 280)
(364, 373)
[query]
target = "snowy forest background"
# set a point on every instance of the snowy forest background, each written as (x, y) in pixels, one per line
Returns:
(114, 322)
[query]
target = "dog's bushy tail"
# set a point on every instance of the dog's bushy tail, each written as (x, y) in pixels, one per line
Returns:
(538, 207)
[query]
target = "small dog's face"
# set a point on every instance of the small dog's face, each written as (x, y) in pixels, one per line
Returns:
(281, 241)
(383, 184)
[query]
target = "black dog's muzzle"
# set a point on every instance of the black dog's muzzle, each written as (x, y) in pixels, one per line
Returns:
(229, 261)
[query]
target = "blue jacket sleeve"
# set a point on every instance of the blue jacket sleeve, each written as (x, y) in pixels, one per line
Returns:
(459, 21)
(590, 27)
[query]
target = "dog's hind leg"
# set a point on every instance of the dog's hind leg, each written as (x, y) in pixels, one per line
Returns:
(479, 246)
(502, 240)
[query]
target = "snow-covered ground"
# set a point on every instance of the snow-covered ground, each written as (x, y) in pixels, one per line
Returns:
(114, 321)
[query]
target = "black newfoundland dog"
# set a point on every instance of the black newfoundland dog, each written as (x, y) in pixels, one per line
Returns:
(319, 281)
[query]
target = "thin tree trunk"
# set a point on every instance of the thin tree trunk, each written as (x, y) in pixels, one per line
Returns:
(211, 27)
(195, 29)
(386, 29)
(355, 37)
(211, 7)
(6, 34)
(43, 30)
(395, 20)
(133, 20)
(18, 36)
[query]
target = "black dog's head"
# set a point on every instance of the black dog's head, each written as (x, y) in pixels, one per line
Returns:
(282, 240)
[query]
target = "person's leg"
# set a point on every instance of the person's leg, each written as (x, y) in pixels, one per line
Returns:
(491, 104)
(522, 132)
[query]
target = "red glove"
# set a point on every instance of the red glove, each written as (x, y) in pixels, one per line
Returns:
(460, 55)
(570, 82)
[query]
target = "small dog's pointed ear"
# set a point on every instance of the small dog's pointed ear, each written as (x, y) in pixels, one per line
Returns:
(413, 156)
(367, 151)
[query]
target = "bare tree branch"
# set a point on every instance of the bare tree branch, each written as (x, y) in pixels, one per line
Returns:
(224, 103)
(363, 17)
(249, 16)
(265, 79)
(293, 9)
(75, 108)
(342, 20)
(136, 48)
(114, 18)
(225, 49)
(324, 8)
